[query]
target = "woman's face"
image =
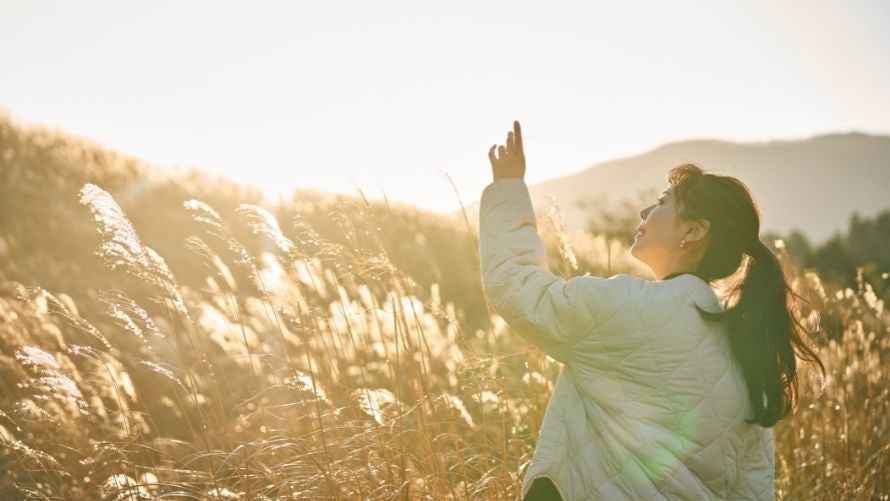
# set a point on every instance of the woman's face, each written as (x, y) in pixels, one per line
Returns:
(659, 243)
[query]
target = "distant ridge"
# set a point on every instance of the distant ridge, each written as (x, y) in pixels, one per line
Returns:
(812, 185)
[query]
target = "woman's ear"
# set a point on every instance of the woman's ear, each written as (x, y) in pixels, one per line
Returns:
(697, 230)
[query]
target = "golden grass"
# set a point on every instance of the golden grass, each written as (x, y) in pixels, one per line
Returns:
(324, 373)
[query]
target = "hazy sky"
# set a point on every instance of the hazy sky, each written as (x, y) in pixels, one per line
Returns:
(388, 96)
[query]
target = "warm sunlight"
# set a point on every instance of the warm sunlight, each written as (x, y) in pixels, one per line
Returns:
(667, 277)
(388, 96)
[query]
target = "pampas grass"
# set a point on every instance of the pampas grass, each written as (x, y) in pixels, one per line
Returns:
(312, 369)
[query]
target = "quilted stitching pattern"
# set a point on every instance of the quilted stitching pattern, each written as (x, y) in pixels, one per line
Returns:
(650, 403)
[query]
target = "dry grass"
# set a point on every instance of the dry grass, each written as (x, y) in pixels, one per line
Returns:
(323, 374)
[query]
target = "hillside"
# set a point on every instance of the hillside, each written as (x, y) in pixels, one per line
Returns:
(48, 238)
(813, 185)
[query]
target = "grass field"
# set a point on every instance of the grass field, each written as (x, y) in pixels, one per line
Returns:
(316, 370)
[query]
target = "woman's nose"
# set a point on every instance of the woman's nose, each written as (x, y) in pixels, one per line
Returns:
(645, 212)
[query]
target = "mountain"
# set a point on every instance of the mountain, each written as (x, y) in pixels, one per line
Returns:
(812, 185)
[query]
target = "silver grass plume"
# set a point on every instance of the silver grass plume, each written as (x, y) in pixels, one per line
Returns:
(129, 315)
(315, 244)
(159, 369)
(122, 247)
(49, 381)
(259, 220)
(203, 213)
(557, 222)
(57, 307)
(211, 260)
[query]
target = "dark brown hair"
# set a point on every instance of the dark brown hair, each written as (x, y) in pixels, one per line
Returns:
(764, 334)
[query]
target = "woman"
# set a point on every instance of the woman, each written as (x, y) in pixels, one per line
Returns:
(664, 392)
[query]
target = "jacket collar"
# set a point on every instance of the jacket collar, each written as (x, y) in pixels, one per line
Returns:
(677, 274)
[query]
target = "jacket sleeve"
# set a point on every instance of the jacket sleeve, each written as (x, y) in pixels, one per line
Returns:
(543, 308)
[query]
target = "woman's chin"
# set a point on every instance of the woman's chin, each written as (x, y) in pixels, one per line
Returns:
(635, 248)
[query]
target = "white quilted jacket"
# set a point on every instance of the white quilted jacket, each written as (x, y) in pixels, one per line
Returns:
(650, 403)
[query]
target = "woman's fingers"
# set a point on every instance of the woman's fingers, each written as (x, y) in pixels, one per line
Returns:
(513, 144)
(508, 160)
(517, 136)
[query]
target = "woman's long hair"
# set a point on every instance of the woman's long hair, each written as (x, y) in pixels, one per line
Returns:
(763, 330)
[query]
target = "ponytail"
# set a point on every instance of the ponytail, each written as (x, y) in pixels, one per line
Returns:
(764, 336)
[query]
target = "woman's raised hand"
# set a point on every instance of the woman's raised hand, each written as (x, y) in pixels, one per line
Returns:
(511, 159)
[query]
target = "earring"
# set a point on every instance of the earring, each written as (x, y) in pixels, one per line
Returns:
(682, 243)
